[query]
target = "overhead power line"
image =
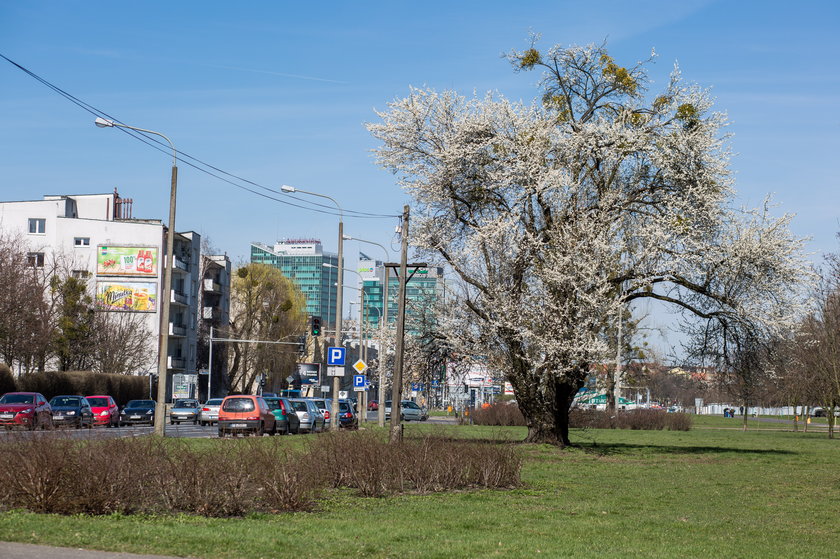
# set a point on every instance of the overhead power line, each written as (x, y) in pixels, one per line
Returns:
(187, 159)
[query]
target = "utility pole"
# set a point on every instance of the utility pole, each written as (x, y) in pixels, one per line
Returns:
(396, 387)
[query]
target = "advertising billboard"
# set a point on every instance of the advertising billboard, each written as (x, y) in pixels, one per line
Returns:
(133, 296)
(309, 373)
(126, 261)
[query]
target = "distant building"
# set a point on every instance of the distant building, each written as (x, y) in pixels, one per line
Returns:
(95, 236)
(303, 261)
(423, 290)
(215, 314)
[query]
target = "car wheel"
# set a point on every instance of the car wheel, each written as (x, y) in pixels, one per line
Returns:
(221, 433)
(273, 430)
(172, 422)
(260, 430)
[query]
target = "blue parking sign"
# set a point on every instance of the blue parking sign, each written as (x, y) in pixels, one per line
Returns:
(335, 356)
(359, 381)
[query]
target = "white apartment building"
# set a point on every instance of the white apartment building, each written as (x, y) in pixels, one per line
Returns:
(95, 236)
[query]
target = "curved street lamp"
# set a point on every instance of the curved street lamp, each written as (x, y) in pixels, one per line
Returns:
(163, 343)
(336, 383)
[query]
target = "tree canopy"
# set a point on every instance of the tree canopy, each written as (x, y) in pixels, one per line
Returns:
(557, 214)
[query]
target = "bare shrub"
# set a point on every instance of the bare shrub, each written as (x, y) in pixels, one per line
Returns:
(35, 475)
(642, 419)
(498, 414)
(287, 481)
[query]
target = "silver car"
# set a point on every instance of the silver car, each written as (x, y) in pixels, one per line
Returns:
(311, 418)
(325, 406)
(209, 413)
(409, 411)
(184, 409)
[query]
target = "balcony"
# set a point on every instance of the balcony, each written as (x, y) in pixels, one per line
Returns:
(175, 330)
(179, 298)
(211, 313)
(212, 286)
(174, 362)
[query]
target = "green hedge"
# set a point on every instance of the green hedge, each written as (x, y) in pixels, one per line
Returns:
(85, 383)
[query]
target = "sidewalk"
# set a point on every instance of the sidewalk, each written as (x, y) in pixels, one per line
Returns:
(31, 551)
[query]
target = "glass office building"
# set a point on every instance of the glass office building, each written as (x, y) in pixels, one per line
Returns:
(302, 261)
(423, 290)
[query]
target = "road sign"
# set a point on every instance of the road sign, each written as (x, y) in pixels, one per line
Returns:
(335, 356)
(342, 394)
(359, 383)
(325, 388)
(335, 371)
(360, 366)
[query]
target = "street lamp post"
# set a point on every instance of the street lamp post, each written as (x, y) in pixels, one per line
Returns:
(380, 411)
(163, 343)
(336, 380)
(363, 357)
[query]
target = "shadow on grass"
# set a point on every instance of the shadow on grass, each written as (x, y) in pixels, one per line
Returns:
(612, 449)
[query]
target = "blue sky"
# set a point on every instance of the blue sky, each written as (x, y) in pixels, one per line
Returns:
(278, 93)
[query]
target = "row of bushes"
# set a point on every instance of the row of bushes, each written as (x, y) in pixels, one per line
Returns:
(122, 387)
(236, 477)
(509, 415)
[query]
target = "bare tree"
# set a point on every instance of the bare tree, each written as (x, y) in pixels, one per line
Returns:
(123, 343)
(265, 306)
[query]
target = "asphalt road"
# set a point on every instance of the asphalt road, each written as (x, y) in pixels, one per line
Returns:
(179, 430)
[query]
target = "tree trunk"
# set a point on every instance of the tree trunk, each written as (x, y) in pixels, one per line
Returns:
(551, 426)
(746, 411)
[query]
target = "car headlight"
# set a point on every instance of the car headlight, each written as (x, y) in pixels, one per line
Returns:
(27, 410)
(70, 413)
(104, 413)
(150, 412)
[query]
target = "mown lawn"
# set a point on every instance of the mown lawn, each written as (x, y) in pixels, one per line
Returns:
(702, 493)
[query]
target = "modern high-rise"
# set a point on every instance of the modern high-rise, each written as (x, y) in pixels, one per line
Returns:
(303, 261)
(424, 288)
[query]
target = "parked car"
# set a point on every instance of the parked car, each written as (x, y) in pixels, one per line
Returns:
(286, 418)
(246, 414)
(409, 411)
(373, 405)
(137, 412)
(209, 413)
(325, 407)
(73, 411)
(28, 410)
(105, 410)
(184, 409)
(347, 418)
(311, 418)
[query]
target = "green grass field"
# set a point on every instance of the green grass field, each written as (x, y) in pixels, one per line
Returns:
(709, 492)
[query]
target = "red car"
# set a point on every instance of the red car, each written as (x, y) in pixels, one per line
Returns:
(25, 409)
(373, 405)
(105, 411)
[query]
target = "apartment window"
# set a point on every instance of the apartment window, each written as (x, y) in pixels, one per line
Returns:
(35, 259)
(81, 241)
(37, 225)
(81, 274)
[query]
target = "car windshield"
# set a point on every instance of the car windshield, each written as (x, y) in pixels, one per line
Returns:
(65, 401)
(214, 402)
(98, 402)
(141, 404)
(238, 404)
(272, 403)
(322, 404)
(410, 405)
(17, 399)
(343, 407)
(186, 404)
(300, 406)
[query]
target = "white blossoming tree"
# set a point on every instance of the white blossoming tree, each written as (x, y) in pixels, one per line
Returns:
(557, 215)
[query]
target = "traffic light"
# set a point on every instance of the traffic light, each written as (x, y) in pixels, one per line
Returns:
(316, 326)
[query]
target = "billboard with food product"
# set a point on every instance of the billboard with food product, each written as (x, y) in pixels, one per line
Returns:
(126, 261)
(140, 296)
